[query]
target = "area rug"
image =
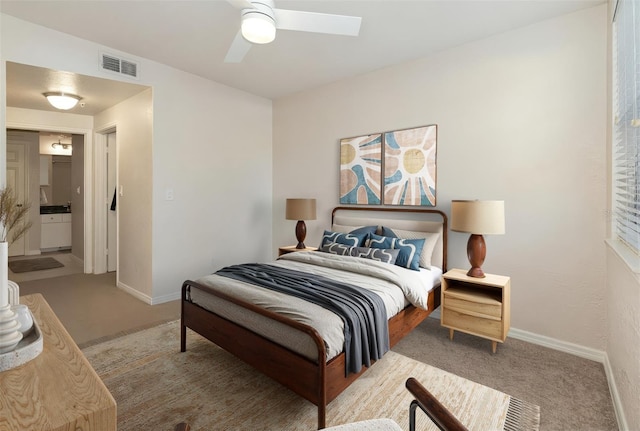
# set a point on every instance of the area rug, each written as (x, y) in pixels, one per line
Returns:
(37, 264)
(156, 387)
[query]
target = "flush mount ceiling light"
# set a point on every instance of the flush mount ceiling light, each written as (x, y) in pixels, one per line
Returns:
(258, 25)
(60, 100)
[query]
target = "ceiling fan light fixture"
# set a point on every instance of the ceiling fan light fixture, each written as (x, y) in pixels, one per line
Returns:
(258, 27)
(63, 101)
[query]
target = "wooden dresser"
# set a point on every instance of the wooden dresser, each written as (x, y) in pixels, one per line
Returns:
(58, 390)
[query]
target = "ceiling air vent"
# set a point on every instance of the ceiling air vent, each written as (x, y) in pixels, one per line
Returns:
(118, 65)
(129, 68)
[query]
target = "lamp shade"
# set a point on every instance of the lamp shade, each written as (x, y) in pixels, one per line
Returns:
(301, 209)
(477, 217)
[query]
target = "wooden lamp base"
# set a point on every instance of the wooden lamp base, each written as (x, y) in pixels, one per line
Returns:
(476, 252)
(301, 233)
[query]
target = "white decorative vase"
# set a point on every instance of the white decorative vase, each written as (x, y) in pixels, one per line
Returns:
(10, 335)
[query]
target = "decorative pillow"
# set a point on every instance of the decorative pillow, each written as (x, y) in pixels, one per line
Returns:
(431, 239)
(410, 249)
(365, 230)
(336, 248)
(379, 254)
(385, 255)
(355, 229)
(352, 239)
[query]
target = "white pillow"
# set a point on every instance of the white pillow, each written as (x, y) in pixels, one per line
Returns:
(430, 242)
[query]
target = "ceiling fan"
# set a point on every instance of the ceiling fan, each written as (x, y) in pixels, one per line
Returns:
(260, 19)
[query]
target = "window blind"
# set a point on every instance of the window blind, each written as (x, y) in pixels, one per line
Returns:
(626, 139)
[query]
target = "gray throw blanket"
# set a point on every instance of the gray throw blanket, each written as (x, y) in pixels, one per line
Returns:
(366, 330)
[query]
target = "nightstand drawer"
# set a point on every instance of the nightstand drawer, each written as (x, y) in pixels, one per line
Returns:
(474, 325)
(482, 307)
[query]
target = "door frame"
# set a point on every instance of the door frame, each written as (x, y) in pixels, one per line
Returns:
(88, 182)
(102, 199)
(26, 251)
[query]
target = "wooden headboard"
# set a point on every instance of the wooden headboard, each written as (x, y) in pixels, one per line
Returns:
(412, 219)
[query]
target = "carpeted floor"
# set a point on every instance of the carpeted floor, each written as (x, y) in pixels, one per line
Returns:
(93, 309)
(572, 392)
(211, 390)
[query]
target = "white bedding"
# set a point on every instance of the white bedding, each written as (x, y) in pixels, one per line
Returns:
(395, 285)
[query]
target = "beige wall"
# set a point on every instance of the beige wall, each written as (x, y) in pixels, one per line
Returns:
(623, 346)
(623, 300)
(134, 123)
(212, 149)
(521, 117)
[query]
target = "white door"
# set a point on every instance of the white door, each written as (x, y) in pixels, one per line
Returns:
(16, 181)
(112, 214)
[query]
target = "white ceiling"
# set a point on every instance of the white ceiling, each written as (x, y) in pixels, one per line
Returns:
(194, 36)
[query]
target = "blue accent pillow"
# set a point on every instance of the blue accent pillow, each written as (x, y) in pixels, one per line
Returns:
(352, 239)
(366, 230)
(378, 254)
(410, 249)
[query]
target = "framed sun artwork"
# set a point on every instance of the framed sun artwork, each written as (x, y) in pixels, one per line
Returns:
(410, 166)
(361, 170)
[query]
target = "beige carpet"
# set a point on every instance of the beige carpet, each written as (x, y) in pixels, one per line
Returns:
(156, 387)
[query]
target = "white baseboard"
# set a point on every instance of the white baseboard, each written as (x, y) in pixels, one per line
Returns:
(135, 293)
(166, 298)
(562, 346)
(33, 252)
(148, 299)
(615, 396)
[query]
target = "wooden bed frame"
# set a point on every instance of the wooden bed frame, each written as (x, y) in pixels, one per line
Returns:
(317, 381)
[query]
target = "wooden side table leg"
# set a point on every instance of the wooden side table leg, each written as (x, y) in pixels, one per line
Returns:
(450, 334)
(494, 346)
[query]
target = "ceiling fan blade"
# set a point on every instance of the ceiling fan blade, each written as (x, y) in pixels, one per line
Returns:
(317, 22)
(241, 4)
(238, 49)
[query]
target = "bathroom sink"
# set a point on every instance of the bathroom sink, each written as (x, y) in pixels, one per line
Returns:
(54, 209)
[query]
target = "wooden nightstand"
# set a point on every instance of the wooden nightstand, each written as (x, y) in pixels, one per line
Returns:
(477, 306)
(292, 248)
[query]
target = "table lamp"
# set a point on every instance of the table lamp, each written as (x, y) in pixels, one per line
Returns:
(477, 218)
(301, 210)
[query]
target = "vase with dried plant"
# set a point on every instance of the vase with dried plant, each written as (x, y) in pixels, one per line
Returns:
(12, 227)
